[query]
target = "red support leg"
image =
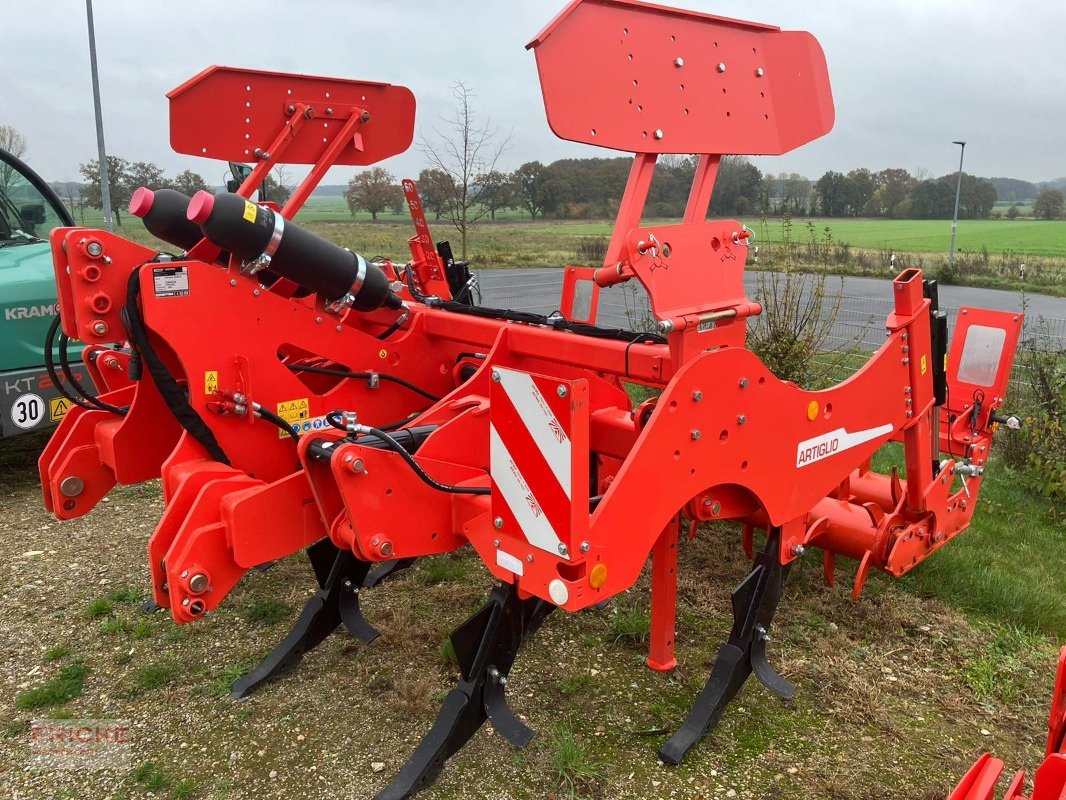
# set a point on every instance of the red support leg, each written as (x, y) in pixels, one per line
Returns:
(664, 598)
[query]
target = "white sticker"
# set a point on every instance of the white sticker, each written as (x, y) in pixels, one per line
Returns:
(829, 444)
(170, 281)
(509, 562)
(27, 411)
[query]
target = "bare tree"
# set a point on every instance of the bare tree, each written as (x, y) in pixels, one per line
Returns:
(15, 143)
(467, 151)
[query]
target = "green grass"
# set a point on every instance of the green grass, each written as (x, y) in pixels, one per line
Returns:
(115, 625)
(126, 596)
(152, 777)
(1035, 237)
(62, 689)
(156, 675)
(142, 630)
(576, 684)
(629, 624)
(56, 653)
(442, 569)
(267, 611)
(572, 760)
(1008, 565)
(100, 607)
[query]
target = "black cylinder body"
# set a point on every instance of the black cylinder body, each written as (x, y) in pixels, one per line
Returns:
(245, 229)
(165, 215)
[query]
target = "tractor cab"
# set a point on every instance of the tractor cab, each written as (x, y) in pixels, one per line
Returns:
(29, 210)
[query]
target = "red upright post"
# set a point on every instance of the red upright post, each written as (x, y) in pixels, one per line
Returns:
(664, 598)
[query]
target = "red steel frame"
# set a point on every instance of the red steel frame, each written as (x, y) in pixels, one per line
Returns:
(724, 440)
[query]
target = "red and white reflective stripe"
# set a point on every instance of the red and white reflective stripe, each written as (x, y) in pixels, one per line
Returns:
(537, 418)
(527, 512)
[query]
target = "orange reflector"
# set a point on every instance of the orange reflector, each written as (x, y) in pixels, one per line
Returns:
(598, 576)
(812, 410)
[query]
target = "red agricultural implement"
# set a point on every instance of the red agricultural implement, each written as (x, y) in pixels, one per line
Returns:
(293, 394)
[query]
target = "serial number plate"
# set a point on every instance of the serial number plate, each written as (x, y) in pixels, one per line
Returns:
(171, 281)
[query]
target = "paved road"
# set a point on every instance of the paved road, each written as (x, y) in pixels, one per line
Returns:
(865, 304)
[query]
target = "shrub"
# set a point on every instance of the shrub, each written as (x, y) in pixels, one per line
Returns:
(792, 335)
(592, 249)
(1038, 450)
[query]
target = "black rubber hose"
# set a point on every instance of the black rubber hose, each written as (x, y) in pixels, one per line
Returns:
(274, 419)
(397, 448)
(50, 366)
(174, 396)
(95, 402)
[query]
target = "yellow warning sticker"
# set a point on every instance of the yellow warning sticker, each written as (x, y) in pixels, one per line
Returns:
(382, 353)
(294, 412)
(924, 365)
(250, 211)
(210, 381)
(58, 408)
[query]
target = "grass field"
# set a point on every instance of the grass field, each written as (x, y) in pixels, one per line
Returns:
(1036, 237)
(990, 252)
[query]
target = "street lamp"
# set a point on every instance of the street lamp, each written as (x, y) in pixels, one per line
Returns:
(958, 193)
(105, 181)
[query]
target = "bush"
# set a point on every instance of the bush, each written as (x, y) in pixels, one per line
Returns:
(1038, 450)
(792, 335)
(592, 249)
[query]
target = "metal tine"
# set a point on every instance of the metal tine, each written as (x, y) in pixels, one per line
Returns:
(754, 603)
(486, 646)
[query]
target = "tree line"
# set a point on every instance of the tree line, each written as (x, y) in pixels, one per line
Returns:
(125, 177)
(591, 188)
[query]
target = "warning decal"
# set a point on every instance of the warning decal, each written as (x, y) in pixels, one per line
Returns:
(170, 281)
(250, 210)
(58, 408)
(210, 381)
(294, 412)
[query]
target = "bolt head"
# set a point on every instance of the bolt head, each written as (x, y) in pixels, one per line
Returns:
(798, 549)
(100, 328)
(695, 434)
(561, 390)
(759, 72)
(71, 486)
(358, 465)
(721, 66)
(386, 548)
(697, 396)
(94, 249)
(495, 376)
(716, 508)
(658, 133)
(584, 547)
(742, 419)
(679, 62)
(563, 549)
(743, 383)
(198, 582)
(498, 523)
(232, 281)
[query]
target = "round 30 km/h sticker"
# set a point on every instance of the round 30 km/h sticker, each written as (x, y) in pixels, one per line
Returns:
(28, 411)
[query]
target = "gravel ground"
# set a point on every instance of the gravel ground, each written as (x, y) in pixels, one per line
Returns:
(897, 694)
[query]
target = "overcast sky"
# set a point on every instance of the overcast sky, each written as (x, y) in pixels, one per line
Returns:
(909, 76)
